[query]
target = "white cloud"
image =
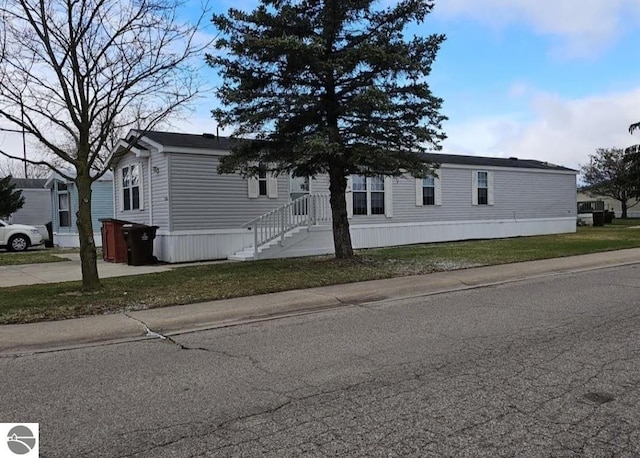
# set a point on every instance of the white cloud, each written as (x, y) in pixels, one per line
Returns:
(561, 131)
(518, 89)
(584, 26)
(479, 136)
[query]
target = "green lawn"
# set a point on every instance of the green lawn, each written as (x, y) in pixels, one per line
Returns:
(32, 256)
(196, 284)
(629, 222)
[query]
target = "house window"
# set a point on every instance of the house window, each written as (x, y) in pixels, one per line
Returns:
(483, 188)
(377, 195)
(368, 195)
(262, 181)
(64, 208)
(131, 187)
(359, 195)
(429, 191)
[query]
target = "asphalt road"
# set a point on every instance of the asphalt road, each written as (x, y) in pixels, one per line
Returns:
(546, 367)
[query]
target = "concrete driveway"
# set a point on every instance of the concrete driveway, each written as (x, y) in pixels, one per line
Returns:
(69, 270)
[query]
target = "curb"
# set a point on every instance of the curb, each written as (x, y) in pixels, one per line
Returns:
(159, 323)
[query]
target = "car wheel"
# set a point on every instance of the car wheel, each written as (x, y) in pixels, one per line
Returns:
(18, 243)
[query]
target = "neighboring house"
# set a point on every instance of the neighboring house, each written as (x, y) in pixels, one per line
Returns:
(633, 205)
(63, 204)
(170, 180)
(36, 210)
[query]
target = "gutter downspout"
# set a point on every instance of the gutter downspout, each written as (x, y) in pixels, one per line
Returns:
(150, 194)
(113, 191)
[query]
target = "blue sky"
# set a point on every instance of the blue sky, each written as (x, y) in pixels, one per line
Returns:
(534, 79)
(546, 80)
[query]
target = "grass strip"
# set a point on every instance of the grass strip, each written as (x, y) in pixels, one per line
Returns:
(28, 257)
(23, 304)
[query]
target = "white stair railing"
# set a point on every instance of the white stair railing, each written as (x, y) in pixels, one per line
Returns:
(307, 210)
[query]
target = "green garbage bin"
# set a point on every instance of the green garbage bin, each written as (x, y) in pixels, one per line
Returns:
(139, 239)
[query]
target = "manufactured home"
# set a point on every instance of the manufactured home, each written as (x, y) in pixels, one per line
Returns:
(610, 204)
(63, 202)
(36, 210)
(170, 180)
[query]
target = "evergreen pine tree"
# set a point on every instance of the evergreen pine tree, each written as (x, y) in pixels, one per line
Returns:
(328, 86)
(11, 200)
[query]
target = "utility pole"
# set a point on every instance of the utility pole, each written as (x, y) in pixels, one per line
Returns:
(24, 141)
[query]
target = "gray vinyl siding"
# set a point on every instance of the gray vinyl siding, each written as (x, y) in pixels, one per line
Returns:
(200, 199)
(518, 194)
(319, 184)
(187, 194)
(36, 209)
(135, 216)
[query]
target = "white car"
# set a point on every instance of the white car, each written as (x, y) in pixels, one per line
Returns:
(18, 237)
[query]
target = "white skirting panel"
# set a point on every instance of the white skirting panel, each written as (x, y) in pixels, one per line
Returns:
(380, 235)
(71, 240)
(188, 246)
(319, 240)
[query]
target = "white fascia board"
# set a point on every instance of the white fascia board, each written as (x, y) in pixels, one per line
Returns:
(201, 151)
(139, 152)
(498, 168)
(122, 144)
(52, 176)
(55, 176)
(144, 139)
(154, 145)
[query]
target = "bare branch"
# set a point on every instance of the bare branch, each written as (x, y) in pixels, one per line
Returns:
(49, 164)
(75, 74)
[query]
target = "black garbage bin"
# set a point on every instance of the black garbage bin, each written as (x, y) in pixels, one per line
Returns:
(139, 239)
(609, 216)
(49, 242)
(598, 218)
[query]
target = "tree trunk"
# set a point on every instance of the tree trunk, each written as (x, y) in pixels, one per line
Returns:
(624, 208)
(341, 234)
(90, 279)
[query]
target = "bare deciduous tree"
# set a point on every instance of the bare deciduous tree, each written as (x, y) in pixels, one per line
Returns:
(610, 174)
(633, 159)
(16, 169)
(73, 72)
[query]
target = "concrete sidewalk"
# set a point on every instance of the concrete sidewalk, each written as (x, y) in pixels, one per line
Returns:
(156, 323)
(68, 270)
